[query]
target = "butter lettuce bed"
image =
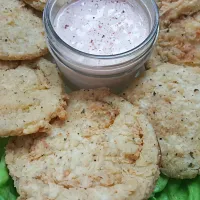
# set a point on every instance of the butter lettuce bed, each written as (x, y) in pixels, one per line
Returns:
(7, 190)
(171, 189)
(166, 189)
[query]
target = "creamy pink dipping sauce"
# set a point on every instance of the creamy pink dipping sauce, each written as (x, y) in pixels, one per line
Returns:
(102, 27)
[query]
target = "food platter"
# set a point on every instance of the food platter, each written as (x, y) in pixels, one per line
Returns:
(164, 99)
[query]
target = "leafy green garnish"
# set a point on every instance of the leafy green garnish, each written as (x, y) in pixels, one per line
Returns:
(166, 189)
(4, 176)
(172, 189)
(7, 189)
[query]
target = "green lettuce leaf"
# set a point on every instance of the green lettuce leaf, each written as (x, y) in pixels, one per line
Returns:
(172, 189)
(7, 189)
(166, 189)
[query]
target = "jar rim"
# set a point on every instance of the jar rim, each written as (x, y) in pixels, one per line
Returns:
(48, 24)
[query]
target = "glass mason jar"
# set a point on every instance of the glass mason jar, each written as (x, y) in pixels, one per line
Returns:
(85, 70)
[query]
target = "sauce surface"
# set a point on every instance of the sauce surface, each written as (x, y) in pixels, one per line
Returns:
(102, 27)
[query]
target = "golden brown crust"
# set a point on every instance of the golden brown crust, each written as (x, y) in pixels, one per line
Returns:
(180, 42)
(31, 95)
(169, 96)
(7, 57)
(22, 34)
(37, 4)
(171, 10)
(105, 149)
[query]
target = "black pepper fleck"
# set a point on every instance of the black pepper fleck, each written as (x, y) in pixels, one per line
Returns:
(190, 165)
(191, 154)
